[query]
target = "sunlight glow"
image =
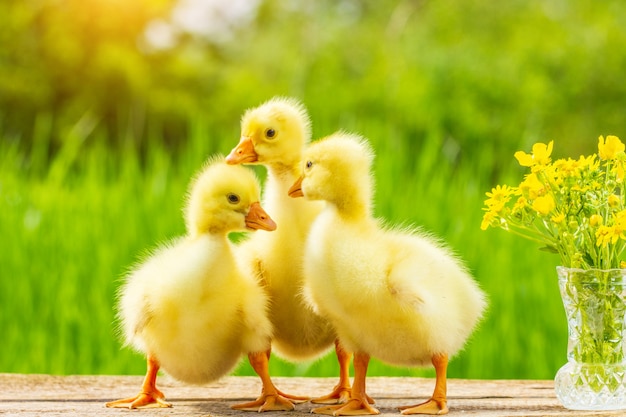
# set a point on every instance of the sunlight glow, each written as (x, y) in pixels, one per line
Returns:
(214, 20)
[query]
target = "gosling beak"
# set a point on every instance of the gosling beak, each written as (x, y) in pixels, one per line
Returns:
(243, 153)
(296, 188)
(257, 218)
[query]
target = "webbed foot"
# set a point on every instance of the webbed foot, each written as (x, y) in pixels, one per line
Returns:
(266, 403)
(152, 399)
(354, 407)
(431, 407)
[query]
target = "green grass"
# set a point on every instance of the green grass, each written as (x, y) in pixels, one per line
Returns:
(71, 230)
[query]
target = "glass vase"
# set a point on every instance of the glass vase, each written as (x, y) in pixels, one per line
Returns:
(594, 378)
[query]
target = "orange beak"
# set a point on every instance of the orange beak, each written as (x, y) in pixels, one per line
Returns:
(243, 153)
(296, 188)
(257, 219)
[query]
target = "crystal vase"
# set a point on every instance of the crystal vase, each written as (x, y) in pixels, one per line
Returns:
(594, 378)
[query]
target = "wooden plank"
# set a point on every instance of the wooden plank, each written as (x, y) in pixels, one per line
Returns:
(35, 395)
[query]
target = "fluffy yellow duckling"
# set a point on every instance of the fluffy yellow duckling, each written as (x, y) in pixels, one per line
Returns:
(394, 294)
(275, 135)
(189, 306)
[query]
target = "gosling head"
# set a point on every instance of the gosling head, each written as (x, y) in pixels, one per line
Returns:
(337, 169)
(273, 133)
(223, 199)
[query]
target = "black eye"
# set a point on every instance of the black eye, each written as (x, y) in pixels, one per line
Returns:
(270, 133)
(309, 164)
(233, 198)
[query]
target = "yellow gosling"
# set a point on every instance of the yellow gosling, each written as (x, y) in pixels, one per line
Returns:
(275, 134)
(189, 306)
(394, 294)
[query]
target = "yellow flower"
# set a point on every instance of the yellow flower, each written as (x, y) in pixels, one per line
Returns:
(611, 148)
(544, 204)
(589, 162)
(488, 218)
(610, 234)
(520, 204)
(620, 220)
(613, 200)
(558, 218)
(532, 187)
(580, 189)
(595, 185)
(606, 235)
(595, 220)
(498, 197)
(568, 167)
(571, 205)
(540, 155)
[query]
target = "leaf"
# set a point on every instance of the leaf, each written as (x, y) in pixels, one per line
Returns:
(550, 249)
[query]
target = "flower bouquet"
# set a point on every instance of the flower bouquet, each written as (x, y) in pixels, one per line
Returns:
(576, 208)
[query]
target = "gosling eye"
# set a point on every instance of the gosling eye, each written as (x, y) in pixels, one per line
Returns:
(309, 164)
(270, 133)
(233, 198)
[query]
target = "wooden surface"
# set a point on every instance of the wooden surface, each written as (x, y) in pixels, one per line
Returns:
(43, 395)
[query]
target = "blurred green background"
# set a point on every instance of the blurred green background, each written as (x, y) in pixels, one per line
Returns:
(107, 107)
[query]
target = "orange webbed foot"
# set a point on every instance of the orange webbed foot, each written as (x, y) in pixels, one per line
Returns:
(339, 395)
(354, 407)
(153, 399)
(431, 407)
(273, 402)
(271, 399)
